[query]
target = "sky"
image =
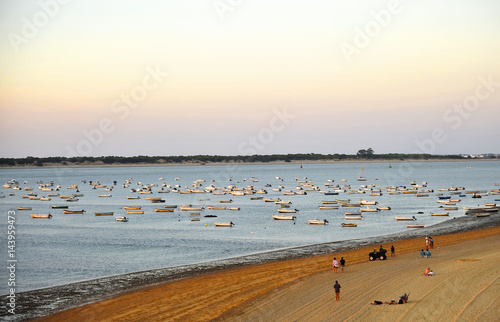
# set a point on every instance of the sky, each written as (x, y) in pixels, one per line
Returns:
(241, 77)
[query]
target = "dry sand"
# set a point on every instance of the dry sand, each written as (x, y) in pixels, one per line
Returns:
(465, 287)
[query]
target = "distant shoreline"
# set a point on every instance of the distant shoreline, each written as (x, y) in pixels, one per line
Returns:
(103, 165)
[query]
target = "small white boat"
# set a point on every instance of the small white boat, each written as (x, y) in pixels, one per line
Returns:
(367, 209)
(224, 224)
(415, 226)
(47, 216)
(317, 222)
(284, 217)
(353, 217)
(405, 218)
(286, 210)
(121, 218)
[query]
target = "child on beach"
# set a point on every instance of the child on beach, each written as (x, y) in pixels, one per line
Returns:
(428, 253)
(335, 264)
(342, 264)
(422, 253)
(428, 272)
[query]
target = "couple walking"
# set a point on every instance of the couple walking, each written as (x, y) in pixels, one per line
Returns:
(336, 264)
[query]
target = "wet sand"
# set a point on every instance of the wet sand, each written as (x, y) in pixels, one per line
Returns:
(465, 286)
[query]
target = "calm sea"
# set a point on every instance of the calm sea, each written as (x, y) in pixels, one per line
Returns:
(76, 247)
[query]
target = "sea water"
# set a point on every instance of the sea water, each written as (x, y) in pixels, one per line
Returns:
(75, 247)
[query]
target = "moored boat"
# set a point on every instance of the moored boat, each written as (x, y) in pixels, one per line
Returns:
(164, 210)
(348, 225)
(216, 208)
(131, 207)
(121, 218)
(286, 210)
(48, 216)
(73, 211)
(440, 214)
(398, 218)
(415, 226)
(317, 222)
(135, 212)
(284, 217)
(104, 213)
(24, 208)
(224, 224)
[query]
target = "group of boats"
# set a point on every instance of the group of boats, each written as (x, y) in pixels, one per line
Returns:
(285, 212)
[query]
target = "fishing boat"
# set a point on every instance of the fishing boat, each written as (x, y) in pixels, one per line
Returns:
(121, 218)
(366, 202)
(329, 202)
(153, 199)
(131, 207)
(347, 217)
(191, 208)
(224, 224)
(440, 214)
(422, 195)
(170, 206)
(328, 207)
(24, 208)
(104, 196)
(285, 210)
(348, 225)
(104, 213)
(450, 208)
(284, 217)
(226, 201)
(59, 207)
(73, 211)
(482, 214)
(210, 216)
(48, 216)
(415, 226)
(383, 208)
(367, 209)
(317, 222)
(135, 212)
(164, 210)
(490, 209)
(398, 218)
(134, 197)
(216, 208)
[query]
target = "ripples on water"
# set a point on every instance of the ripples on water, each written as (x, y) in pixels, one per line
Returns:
(75, 247)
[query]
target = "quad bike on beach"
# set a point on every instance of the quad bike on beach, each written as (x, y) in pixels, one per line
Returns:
(380, 254)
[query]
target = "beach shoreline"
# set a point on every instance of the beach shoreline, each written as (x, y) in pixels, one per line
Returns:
(39, 303)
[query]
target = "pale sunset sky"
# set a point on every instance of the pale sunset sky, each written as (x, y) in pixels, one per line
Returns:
(230, 77)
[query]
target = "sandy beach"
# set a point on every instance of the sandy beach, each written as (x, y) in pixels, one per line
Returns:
(465, 287)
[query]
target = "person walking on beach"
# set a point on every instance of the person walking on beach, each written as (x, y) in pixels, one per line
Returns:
(342, 264)
(335, 264)
(336, 286)
(431, 241)
(393, 251)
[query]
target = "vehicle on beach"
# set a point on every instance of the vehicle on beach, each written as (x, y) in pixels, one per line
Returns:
(380, 254)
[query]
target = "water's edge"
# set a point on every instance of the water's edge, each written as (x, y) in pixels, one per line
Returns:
(46, 301)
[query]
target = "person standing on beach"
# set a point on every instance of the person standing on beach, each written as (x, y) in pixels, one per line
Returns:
(335, 264)
(342, 264)
(393, 251)
(336, 286)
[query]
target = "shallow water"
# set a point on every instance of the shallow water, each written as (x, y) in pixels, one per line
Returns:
(76, 247)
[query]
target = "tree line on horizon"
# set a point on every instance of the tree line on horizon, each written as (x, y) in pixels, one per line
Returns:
(203, 159)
